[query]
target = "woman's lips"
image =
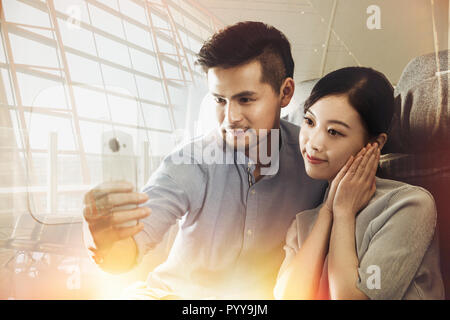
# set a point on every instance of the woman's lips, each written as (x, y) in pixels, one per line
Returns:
(313, 160)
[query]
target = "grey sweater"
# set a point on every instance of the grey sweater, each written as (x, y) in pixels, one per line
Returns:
(396, 242)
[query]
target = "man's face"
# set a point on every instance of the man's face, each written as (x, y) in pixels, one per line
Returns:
(244, 104)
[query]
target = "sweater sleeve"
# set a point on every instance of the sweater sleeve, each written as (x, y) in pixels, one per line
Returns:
(291, 246)
(398, 245)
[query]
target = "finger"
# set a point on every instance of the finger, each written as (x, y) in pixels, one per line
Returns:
(89, 212)
(107, 187)
(365, 162)
(345, 168)
(98, 224)
(126, 232)
(358, 157)
(362, 151)
(372, 166)
(374, 188)
(352, 170)
(119, 217)
(112, 200)
(340, 175)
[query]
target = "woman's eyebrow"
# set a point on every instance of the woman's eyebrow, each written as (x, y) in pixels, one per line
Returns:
(332, 121)
(339, 122)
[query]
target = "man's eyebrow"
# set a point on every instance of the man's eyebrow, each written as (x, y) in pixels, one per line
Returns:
(332, 121)
(243, 94)
(237, 95)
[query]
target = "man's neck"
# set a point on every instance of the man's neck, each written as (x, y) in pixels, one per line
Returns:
(258, 164)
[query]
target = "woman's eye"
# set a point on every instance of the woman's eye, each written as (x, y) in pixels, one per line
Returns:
(308, 121)
(333, 132)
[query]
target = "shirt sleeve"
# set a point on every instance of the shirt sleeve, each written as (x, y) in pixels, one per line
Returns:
(398, 245)
(173, 190)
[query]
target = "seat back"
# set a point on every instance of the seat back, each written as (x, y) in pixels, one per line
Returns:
(418, 148)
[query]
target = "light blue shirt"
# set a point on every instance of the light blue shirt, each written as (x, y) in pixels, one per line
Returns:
(232, 232)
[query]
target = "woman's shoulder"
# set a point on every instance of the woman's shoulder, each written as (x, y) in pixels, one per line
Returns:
(414, 203)
(394, 191)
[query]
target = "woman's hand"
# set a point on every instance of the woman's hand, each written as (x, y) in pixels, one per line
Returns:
(357, 186)
(335, 183)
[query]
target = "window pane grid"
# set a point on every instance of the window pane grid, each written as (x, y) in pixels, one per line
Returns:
(95, 70)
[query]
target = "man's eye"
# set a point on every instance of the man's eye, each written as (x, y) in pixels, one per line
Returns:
(219, 100)
(245, 100)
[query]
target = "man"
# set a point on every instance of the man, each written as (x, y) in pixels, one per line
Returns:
(234, 213)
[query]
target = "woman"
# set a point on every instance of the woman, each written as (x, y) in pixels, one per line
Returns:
(371, 238)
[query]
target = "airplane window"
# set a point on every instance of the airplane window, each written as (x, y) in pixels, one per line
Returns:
(104, 66)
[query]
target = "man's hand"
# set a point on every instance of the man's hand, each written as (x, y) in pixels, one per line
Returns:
(104, 219)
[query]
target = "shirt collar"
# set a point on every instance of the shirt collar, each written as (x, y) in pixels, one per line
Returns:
(275, 164)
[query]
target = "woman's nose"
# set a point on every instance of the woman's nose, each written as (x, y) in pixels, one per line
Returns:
(316, 148)
(316, 141)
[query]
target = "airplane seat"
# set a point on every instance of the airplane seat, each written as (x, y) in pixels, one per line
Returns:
(293, 112)
(418, 148)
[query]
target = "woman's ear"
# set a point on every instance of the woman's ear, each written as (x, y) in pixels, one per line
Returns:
(381, 140)
(287, 91)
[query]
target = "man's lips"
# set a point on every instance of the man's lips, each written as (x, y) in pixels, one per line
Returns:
(235, 132)
(313, 160)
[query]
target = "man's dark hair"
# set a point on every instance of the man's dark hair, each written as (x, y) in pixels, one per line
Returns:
(246, 41)
(368, 91)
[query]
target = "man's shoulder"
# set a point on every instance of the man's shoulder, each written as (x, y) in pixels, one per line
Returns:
(188, 151)
(290, 131)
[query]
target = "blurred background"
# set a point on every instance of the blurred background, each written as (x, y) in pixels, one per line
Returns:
(73, 71)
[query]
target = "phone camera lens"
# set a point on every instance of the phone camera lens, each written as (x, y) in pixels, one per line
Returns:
(114, 145)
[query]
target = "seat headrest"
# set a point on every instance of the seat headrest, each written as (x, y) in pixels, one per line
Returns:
(421, 120)
(294, 111)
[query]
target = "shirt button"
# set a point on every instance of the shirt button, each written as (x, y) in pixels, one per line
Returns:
(249, 232)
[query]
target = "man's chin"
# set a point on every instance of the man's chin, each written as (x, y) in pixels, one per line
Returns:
(247, 140)
(236, 145)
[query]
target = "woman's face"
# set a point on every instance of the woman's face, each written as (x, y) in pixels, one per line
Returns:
(331, 132)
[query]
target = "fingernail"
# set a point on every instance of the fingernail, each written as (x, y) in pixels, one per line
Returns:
(143, 196)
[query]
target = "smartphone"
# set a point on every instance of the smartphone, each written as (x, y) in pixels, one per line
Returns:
(119, 163)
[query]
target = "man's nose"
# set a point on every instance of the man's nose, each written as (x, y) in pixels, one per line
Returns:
(233, 113)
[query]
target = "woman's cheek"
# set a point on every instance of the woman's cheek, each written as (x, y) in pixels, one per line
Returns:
(301, 139)
(337, 162)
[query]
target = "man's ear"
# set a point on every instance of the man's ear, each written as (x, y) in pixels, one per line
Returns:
(287, 91)
(381, 140)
